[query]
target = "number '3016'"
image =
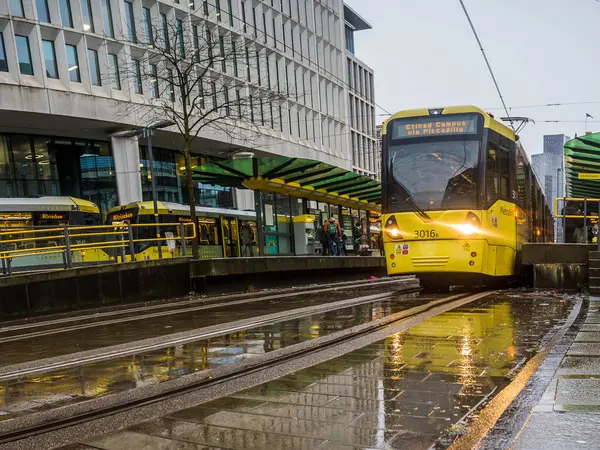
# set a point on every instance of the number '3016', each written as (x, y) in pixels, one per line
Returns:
(422, 234)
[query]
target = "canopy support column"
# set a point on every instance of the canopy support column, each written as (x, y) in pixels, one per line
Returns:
(258, 208)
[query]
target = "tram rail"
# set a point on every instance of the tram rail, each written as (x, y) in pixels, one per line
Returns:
(20, 330)
(60, 424)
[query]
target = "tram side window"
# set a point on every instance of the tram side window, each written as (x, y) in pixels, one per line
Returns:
(504, 174)
(492, 174)
(522, 181)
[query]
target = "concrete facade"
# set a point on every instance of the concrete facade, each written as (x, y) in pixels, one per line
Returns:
(43, 92)
(361, 101)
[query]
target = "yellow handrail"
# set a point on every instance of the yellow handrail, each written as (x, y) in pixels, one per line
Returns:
(112, 230)
(574, 199)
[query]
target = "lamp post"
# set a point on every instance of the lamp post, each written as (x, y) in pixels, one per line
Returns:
(146, 132)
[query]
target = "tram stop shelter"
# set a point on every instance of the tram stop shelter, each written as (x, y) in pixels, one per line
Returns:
(292, 196)
(579, 209)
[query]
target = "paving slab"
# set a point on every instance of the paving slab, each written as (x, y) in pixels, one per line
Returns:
(584, 349)
(578, 393)
(588, 336)
(580, 365)
(553, 431)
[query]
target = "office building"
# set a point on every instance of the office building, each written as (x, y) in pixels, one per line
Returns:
(61, 89)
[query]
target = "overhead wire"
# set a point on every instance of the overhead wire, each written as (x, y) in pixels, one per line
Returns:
(487, 62)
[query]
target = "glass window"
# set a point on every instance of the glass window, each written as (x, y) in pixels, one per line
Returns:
(433, 175)
(42, 10)
(47, 171)
(213, 88)
(73, 63)
(491, 176)
(154, 80)
(24, 166)
(171, 85)
(218, 8)
(65, 13)
(504, 174)
(139, 89)
(3, 62)
(107, 17)
(235, 60)
(180, 43)
(165, 30)
(230, 11)
(24, 55)
(115, 75)
(196, 43)
(222, 54)
(50, 59)
(130, 20)
(244, 17)
(16, 8)
(258, 69)
(94, 67)
(88, 19)
(148, 27)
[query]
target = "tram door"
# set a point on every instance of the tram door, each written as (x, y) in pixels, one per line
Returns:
(231, 236)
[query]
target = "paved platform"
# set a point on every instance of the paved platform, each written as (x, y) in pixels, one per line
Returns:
(568, 414)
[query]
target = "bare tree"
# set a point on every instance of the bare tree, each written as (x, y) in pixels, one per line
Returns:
(200, 76)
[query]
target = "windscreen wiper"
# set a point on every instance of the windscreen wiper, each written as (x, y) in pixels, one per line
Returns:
(408, 199)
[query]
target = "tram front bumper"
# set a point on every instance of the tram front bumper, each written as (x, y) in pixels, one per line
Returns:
(425, 256)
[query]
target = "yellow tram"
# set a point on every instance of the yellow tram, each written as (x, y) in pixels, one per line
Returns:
(219, 230)
(459, 197)
(30, 229)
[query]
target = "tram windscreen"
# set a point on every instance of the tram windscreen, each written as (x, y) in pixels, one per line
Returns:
(434, 174)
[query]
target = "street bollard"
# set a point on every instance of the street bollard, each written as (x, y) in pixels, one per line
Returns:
(68, 249)
(182, 234)
(131, 246)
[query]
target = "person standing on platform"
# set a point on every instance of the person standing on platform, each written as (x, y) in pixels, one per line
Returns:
(247, 237)
(334, 239)
(356, 235)
(343, 242)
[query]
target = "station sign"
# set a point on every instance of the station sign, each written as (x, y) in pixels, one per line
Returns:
(588, 176)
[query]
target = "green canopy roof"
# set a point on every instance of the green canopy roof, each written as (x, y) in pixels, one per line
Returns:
(299, 177)
(582, 155)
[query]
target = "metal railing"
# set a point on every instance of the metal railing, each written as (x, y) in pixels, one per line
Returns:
(581, 210)
(67, 240)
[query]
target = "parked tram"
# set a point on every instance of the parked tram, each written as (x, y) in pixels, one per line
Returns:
(221, 232)
(44, 213)
(459, 197)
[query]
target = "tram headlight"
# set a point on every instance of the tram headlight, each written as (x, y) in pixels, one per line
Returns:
(392, 230)
(471, 226)
(467, 229)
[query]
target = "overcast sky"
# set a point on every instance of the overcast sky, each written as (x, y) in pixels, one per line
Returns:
(542, 51)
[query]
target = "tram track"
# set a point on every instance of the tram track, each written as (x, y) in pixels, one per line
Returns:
(142, 402)
(12, 333)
